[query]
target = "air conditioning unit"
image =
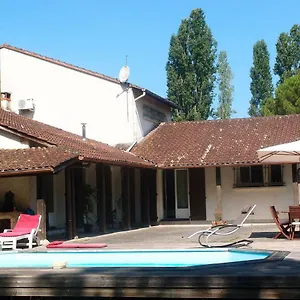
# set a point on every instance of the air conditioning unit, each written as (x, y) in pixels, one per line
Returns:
(26, 104)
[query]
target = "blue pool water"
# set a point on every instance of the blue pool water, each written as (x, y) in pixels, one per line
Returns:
(126, 258)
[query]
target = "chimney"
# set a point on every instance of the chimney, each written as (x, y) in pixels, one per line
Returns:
(6, 101)
(83, 131)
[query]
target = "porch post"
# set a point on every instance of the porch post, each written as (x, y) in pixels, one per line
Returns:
(159, 197)
(68, 198)
(101, 207)
(41, 210)
(125, 197)
(73, 204)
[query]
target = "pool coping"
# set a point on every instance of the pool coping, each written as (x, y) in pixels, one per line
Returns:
(270, 278)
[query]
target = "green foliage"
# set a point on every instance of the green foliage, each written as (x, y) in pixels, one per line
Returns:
(224, 79)
(261, 80)
(287, 98)
(288, 54)
(191, 68)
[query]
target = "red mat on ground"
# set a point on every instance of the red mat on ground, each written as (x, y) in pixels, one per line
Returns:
(60, 244)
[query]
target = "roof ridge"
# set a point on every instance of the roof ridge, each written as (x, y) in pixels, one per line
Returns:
(233, 119)
(82, 70)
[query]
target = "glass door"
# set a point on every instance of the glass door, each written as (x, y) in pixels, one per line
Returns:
(182, 194)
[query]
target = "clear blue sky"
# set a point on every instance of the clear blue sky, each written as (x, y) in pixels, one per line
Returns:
(98, 34)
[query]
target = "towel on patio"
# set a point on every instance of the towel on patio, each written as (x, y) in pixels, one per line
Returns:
(60, 244)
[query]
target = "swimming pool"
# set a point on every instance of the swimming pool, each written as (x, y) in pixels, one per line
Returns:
(126, 258)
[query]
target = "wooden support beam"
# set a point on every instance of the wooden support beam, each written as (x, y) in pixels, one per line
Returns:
(125, 197)
(73, 203)
(68, 198)
(41, 210)
(101, 201)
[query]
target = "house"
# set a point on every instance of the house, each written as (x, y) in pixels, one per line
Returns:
(39, 161)
(210, 169)
(67, 96)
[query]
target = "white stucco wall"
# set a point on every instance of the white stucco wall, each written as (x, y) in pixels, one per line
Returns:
(12, 141)
(66, 98)
(235, 199)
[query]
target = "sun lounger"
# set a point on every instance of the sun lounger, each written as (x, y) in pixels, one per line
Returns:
(62, 245)
(225, 230)
(26, 228)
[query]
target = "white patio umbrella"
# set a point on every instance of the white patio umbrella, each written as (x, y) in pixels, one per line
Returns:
(283, 153)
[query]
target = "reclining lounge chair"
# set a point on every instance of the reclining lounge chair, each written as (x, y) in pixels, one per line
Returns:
(26, 228)
(225, 230)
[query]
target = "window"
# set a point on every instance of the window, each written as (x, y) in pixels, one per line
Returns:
(257, 176)
(218, 176)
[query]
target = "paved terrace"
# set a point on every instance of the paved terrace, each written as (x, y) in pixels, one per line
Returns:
(271, 279)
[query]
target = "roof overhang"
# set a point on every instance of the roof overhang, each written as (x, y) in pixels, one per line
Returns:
(157, 97)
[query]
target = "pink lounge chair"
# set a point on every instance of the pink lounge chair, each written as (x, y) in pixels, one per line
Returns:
(26, 227)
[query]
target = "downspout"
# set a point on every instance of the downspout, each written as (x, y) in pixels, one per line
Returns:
(133, 119)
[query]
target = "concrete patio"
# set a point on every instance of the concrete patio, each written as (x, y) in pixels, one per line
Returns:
(176, 237)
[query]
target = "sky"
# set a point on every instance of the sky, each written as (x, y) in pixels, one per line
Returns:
(98, 34)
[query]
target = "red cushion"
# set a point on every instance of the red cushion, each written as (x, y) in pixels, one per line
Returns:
(14, 233)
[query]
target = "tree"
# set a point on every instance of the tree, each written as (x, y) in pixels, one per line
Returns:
(287, 98)
(261, 80)
(191, 68)
(288, 54)
(224, 79)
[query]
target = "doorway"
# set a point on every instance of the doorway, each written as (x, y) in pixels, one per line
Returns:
(182, 201)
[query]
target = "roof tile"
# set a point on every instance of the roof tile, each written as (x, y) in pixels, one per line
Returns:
(89, 149)
(42, 159)
(216, 142)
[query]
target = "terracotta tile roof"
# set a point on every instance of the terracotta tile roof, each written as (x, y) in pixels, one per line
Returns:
(88, 149)
(33, 160)
(88, 72)
(218, 142)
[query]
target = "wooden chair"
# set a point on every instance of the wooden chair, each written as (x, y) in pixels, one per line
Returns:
(294, 212)
(283, 226)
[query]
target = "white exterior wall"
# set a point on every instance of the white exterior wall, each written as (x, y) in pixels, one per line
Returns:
(12, 141)
(235, 199)
(65, 98)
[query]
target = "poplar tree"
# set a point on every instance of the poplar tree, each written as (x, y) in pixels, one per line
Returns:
(191, 68)
(261, 86)
(224, 80)
(288, 54)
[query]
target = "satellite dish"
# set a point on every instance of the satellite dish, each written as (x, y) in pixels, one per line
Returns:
(124, 74)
